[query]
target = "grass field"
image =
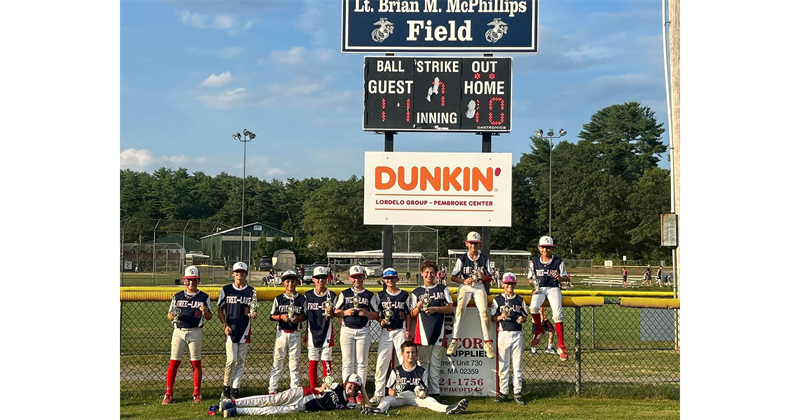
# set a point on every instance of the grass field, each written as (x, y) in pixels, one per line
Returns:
(550, 407)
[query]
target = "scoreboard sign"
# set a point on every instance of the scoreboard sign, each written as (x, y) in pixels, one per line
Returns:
(437, 94)
(428, 26)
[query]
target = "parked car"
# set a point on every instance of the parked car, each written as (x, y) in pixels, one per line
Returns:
(373, 268)
(264, 264)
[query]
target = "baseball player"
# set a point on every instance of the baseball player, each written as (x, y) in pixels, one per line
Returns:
(510, 313)
(287, 310)
(320, 327)
(547, 270)
(468, 266)
(408, 386)
(356, 306)
(429, 329)
(294, 400)
(550, 329)
(236, 308)
(188, 311)
(394, 303)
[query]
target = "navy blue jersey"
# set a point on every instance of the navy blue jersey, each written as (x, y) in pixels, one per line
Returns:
(464, 265)
(430, 328)
(191, 316)
(518, 309)
(408, 379)
(280, 306)
(399, 304)
(542, 271)
(329, 400)
(236, 303)
(320, 327)
(366, 300)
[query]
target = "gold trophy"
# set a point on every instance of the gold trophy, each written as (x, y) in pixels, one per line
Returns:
(388, 313)
(355, 303)
(398, 387)
(328, 379)
(425, 299)
(327, 306)
(534, 280)
(253, 304)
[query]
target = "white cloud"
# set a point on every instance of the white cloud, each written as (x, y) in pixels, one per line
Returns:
(135, 158)
(224, 100)
(588, 51)
(220, 21)
(307, 93)
(180, 160)
(231, 52)
(214, 80)
(274, 171)
(299, 55)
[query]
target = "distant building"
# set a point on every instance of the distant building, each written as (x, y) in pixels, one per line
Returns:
(225, 244)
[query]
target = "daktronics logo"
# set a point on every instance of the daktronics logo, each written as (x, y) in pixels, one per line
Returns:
(441, 179)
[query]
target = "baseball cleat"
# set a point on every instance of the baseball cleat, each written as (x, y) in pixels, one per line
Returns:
(371, 411)
(534, 350)
(375, 400)
(500, 398)
(197, 398)
(235, 393)
(231, 412)
(518, 399)
(562, 353)
(226, 404)
(167, 399)
(451, 349)
(487, 346)
(550, 350)
(457, 408)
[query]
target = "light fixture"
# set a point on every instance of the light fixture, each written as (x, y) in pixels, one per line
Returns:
(550, 135)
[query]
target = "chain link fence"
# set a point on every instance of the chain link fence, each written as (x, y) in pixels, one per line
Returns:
(610, 348)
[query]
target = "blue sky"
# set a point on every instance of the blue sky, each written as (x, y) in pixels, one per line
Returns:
(192, 73)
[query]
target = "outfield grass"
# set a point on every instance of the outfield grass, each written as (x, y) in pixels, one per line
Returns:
(553, 407)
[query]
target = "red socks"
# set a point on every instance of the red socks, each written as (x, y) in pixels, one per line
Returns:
(312, 373)
(172, 371)
(560, 333)
(537, 319)
(197, 376)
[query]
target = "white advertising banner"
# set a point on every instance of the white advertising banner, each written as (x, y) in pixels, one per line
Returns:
(439, 189)
(469, 373)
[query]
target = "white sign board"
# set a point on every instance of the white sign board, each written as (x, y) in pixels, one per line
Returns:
(608, 263)
(469, 373)
(438, 189)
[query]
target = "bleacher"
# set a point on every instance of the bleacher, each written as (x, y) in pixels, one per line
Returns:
(610, 281)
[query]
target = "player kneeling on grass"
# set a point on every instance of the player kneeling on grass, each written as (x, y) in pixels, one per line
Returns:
(408, 386)
(293, 400)
(509, 312)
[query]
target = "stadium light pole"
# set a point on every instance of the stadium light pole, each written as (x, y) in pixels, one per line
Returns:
(248, 135)
(550, 136)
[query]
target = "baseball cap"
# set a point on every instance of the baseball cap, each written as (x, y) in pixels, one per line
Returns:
(546, 241)
(320, 272)
(191, 273)
(357, 270)
(240, 266)
(289, 274)
(509, 278)
(353, 378)
(389, 272)
(474, 237)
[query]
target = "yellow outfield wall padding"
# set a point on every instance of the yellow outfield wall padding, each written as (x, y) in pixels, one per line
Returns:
(650, 303)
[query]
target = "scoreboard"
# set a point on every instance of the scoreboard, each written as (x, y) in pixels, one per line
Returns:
(437, 94)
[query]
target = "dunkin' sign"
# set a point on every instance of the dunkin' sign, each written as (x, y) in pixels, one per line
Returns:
(445, 189)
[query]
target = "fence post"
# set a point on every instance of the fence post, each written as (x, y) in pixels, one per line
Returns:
(578, 349)
(592, 327)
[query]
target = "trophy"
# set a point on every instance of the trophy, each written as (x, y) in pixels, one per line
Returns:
(425, 299)
(355, 303)
(398, 386)
(327, 306)
(328, 379)
(175, 313)
(291, 309)
(475, 276)
(388, 313)
(506, 309)
(253, 304)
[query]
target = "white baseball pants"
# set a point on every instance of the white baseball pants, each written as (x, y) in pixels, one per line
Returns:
(553, 295)
(509, 355)
(355, 351)
(289, 401)
(409, 398)
(285, 341)
(465, 294)
(388, 341)
(235, 353)
(430, 357)
(187, 337)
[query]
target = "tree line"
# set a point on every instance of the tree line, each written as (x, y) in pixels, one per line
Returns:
(607, 196)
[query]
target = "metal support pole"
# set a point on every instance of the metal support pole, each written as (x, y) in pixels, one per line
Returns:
(387, 243)
(183, 245)
(486, 147)
(592, 327)
(550, 187)
(244, 178)
(578, 349)
(153, 251)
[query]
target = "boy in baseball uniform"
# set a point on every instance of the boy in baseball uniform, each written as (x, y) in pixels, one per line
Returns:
(319, 304)
(510, 313)
(547, 270)
(394, 320)
(287, 311)
(236, 308)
